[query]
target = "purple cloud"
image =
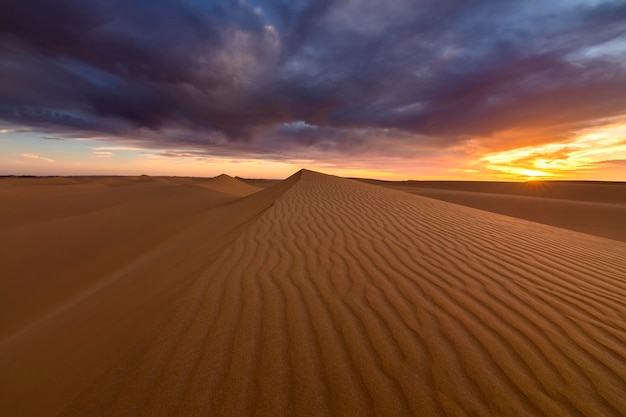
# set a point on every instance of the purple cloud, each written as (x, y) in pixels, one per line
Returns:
(287, 78)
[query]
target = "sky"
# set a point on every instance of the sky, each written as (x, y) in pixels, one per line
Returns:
(390, 89)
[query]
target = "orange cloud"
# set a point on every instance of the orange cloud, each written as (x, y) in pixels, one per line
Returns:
(584, 152)
(102, 154)
(33, 156)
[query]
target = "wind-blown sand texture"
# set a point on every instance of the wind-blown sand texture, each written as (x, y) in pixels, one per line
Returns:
(597, 208)
(327, 297)
(59, 236)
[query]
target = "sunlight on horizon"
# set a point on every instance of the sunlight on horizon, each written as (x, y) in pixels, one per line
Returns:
(597, 152)
(585, 153)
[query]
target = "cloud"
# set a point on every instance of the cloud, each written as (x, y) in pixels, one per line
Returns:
(117, 148)
(286, 79)
(585, 151)
(33, 156)
(102, 154)
(615, 162)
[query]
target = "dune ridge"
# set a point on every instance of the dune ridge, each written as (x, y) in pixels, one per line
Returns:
(349, 299)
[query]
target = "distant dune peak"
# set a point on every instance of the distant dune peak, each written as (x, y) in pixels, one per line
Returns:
(223, 176)
(226, 184)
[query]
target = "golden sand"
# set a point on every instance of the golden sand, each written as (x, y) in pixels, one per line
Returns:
(316, 296)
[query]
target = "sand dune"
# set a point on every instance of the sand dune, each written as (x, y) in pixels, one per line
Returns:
(83, 323)
(261, 183)
(324, 296)
(81, 230)
(590, 191)
(596, 208)
(228, 185)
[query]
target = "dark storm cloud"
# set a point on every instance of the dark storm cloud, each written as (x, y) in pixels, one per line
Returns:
(332, 75)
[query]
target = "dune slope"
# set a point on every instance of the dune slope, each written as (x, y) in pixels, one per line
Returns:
(57, 240)
(596, 208)
(599, 219)
(353, 300)
(78, 328)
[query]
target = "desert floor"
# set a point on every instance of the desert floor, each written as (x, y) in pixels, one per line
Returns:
(312, 296)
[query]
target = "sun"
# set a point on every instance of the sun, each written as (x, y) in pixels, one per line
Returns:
(532, 175)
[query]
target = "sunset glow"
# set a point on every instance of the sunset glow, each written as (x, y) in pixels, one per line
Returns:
(584, 153)
(493, 91)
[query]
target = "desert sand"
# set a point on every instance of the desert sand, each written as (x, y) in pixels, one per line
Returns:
(597, 208)
(314, 296)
